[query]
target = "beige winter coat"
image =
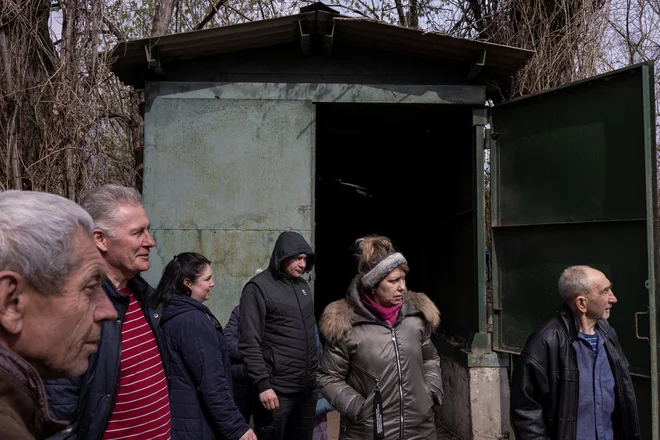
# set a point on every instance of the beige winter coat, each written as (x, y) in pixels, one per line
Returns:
(362, 353)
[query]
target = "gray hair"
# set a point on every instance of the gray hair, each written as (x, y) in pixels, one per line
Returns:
(36, 232)
(574, 281)
(102, 204)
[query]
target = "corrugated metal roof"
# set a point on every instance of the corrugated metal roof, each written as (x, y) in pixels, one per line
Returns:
(130, 63)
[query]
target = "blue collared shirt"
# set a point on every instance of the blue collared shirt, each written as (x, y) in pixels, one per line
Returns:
(596, 395)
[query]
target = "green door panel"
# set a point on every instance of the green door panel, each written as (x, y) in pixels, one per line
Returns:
(574, 182)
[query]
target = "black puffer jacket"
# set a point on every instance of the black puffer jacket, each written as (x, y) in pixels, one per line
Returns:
(277, 324)
(545, 384)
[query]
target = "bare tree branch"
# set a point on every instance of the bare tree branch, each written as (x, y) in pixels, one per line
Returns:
(113, 29)
(209, 16)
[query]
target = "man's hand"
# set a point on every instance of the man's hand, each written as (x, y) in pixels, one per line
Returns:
(269, 400)
(249, 435)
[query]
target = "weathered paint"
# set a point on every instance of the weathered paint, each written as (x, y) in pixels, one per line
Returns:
(482, 339)
(235, 255)
(328, 93)
(229, 166)
(223, 178)
(489, 398)
(476, 403)
(455, 411)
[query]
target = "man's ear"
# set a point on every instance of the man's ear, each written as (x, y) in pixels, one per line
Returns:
(581, 303)
(13, 298)
(101, 240)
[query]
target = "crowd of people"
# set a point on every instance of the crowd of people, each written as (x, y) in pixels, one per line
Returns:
(89, 350)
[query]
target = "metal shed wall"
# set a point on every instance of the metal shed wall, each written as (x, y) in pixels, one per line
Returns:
(229, 166)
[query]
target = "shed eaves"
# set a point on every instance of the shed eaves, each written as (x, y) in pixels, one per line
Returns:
(130, 57)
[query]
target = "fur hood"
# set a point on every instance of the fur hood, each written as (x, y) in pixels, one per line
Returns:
(339, 316)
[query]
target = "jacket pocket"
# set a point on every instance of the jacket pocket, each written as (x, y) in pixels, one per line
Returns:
(364, 381)
(367, 383)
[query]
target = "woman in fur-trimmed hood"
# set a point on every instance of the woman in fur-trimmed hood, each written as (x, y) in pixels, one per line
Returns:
(380, 369)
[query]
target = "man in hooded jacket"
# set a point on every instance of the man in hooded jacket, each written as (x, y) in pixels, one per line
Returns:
(278, 342)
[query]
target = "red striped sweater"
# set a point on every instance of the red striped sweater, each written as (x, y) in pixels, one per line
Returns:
(142, 408)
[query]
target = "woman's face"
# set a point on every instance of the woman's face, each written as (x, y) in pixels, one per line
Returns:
(390, 290)
(201, 289)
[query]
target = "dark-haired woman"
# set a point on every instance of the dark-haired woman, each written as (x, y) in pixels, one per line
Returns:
(201, 400)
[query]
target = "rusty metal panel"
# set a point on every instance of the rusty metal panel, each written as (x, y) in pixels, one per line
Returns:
(223, 178)
(239, 158)
(229, 164)
(235, 255)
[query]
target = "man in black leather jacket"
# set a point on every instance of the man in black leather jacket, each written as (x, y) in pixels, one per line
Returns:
(572, 380)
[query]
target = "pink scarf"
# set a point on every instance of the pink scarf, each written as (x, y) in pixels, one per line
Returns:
(387, 314)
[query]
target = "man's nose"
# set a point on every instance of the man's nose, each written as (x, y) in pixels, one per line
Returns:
(612, 298)
(104, 310)
(148, 240)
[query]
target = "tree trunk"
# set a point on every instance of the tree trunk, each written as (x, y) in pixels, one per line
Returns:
(68, 66)
(13, 168)
(413, 19)
(14, 156)
(163, 17)
(402, 14)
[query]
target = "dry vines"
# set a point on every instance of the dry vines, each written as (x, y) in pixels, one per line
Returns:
(63, 123)
(566, 35)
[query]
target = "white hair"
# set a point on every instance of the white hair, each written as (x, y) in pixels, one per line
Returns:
(36, 235)
(574, 281)
(103, 202)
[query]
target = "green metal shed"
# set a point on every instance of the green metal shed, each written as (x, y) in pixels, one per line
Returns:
(338, 127)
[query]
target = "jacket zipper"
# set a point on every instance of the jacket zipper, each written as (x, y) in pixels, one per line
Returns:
(302, 317)
(113, 399)
(398, 368)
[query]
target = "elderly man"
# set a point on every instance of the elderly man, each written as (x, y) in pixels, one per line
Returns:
(277, 342)
(563, 385)
(124, 394)
(51, 305)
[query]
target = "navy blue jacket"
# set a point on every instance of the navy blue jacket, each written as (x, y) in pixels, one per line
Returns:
(87, 401)
(201, 399)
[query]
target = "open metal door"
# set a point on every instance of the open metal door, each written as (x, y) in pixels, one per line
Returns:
(574, 182)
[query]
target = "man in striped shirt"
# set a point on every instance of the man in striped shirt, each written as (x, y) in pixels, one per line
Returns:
(124, 394)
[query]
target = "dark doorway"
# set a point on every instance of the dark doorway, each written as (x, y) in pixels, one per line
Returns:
(407, 172)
